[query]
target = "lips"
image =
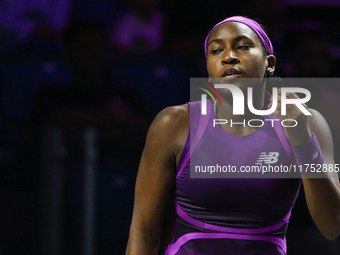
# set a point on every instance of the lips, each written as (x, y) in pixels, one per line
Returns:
(231, 72)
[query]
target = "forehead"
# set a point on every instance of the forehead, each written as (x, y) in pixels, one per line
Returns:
(230, 30)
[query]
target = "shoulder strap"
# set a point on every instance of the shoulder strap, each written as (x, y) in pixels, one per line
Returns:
(283, 139)
(202, 123)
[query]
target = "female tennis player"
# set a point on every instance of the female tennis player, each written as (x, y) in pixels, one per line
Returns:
(231, 215)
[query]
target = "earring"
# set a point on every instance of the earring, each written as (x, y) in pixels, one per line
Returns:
(209, 80)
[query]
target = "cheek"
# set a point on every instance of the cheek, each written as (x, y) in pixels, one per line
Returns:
(210, 67)
(259, 64)
(213, 63)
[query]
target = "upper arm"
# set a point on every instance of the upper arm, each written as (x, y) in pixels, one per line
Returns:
(320, 128)
(322, 194)
(157, 170)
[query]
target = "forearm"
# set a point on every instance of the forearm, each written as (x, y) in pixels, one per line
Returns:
(322, 189)
(141, 243)
(323, 200)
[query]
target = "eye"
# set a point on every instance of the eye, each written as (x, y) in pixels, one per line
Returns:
(243, 47)
(216, 51)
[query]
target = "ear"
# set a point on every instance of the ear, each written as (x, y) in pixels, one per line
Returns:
(271, 60)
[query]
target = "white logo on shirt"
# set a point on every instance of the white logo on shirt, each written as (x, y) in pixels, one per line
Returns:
(270, 158)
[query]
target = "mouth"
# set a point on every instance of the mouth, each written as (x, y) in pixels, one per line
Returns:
(231, 73)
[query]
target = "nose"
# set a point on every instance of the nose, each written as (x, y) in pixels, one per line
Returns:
(230, 57)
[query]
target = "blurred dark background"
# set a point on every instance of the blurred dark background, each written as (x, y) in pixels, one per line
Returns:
(81, 81)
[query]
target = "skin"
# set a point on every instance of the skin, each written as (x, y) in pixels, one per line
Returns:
(168, 133)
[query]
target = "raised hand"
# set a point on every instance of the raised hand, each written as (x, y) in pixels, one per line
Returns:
(296, 122)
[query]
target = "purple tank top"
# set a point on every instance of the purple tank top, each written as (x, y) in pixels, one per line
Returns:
(231, 216)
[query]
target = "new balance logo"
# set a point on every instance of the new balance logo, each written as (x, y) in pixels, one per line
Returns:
(271, 158)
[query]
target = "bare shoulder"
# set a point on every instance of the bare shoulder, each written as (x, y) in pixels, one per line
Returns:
(172, 116)
(170, 129)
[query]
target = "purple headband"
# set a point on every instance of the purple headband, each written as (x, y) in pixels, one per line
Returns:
(250, 23)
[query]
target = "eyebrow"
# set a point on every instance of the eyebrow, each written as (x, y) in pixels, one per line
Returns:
(236, 39)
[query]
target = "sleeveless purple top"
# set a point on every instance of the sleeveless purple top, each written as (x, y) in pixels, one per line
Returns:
(231, 216)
